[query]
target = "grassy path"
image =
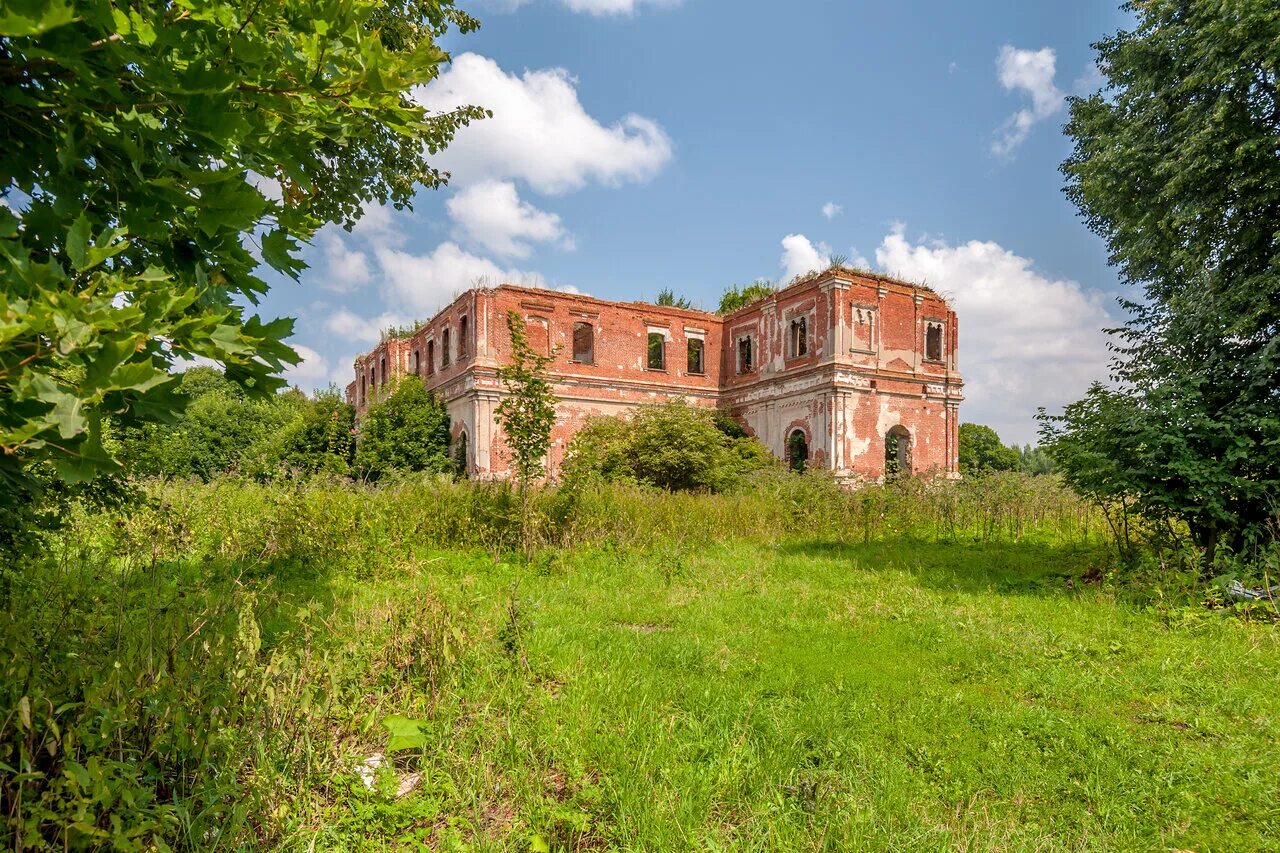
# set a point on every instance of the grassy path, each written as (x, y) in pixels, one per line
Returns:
(813, 697)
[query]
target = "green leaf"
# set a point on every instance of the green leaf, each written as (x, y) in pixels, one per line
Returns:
(276, 248)
(33, 17)
(404, 733)
(78, 242)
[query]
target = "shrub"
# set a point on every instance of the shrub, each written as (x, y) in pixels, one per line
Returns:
(406, 431)
(674, 446)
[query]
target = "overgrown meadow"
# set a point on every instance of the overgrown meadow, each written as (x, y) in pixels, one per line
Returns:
(782, 667)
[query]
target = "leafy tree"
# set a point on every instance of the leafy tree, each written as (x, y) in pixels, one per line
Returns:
(982, 452)
(674, 446)
(740, 297)
(667, 297)
(1175, 166)
(143, 146)
(408, 430)
(1034, 460)
(322, 439)
(528, 411)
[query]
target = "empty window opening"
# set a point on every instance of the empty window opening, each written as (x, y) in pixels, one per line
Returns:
(696, 347)
(799, 337)
(417, 363)
(897, 452)
(445, 357)
(382, 369)
(458, 456)
(744, 355)
(584, 343)
(364, 389)
(462, 338)
(657, 351)
(431, 357)
(933, 341)
(797, 451)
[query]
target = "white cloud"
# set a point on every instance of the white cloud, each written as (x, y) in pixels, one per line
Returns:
(1032, 72)
(800, 256)
(425, 283)
(831, 210)
(346, 269)
(1026, 340)
(311, 370)
(352, 328)
(539, 131)
(491, 213)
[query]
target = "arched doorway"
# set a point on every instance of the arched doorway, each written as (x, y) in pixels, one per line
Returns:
(797, 451)
(459, 454)
(897, 451)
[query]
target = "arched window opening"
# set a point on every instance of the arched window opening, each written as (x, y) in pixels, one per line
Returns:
(696, 347)
(933, 341)
(799, 337)
(657, 351)
(431, 357)
(445, 358)
(897, 452)
(462, 338)
(417, 363)
(584, 343)
(382, 369)
(458, 454)
(364, 389)
(797, 451)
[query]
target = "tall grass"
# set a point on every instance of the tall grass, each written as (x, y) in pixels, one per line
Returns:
(196, 671)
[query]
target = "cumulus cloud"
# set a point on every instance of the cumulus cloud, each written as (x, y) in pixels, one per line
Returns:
(539, 132)
(1030, 72)
(491, 214)
(1026, 339)
(426, 283)
(310, 371)
(351, 327)
(831, 210)
(800, 256)
(346, 269)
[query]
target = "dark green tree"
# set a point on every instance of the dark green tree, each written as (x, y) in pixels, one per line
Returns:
(1034, 460)
(146, 148)
(982, 452)
(322, 439)
(1175, 165)
(407, 430)
(736, 297)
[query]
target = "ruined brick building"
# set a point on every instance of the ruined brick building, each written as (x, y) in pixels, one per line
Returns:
(845, 370)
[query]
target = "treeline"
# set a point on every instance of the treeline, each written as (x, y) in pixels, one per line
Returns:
(223, 431)
(982, 452)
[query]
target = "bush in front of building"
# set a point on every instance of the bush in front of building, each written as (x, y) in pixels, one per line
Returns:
(673, 446)
(408, 430)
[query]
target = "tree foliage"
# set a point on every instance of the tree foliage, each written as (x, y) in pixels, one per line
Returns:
(668, 297)
(155, 155)
(221, 430)
(673, 446)
(982, 452)
(528, 411)
(1175, 165)
(407, 430)
(736, 297)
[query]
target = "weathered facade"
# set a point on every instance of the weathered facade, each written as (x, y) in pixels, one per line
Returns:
(846, 370)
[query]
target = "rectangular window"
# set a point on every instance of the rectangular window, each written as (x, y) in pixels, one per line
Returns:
(695, 356)
(445, 357)
(584, 343)
(745, 365)
(933, 341)
(382, 368)
(657, 351)
(462, 338)
(431, 357)
(799, 337)
(417, 364)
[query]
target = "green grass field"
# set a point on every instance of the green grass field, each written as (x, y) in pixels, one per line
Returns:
(212, 671)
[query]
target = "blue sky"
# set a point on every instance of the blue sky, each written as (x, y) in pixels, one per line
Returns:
(639, 145)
